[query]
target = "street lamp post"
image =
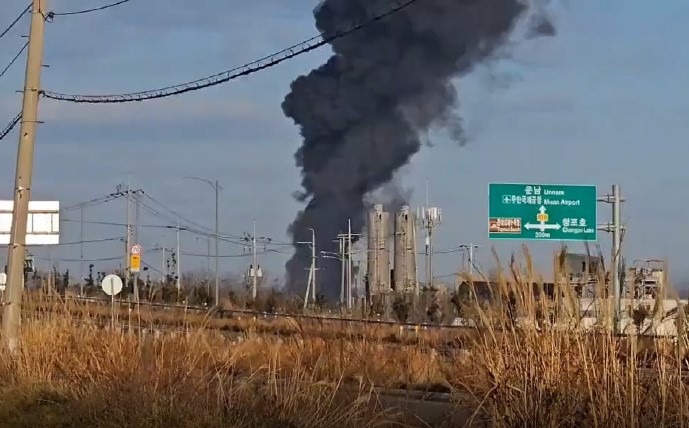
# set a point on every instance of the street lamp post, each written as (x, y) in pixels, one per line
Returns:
(216, 188)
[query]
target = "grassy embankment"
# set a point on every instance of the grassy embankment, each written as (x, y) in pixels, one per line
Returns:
(72, 373)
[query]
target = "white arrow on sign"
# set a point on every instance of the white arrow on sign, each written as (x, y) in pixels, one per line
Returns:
(542, 225)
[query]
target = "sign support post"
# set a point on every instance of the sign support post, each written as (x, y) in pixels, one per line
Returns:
(112, 286)
(616, 228)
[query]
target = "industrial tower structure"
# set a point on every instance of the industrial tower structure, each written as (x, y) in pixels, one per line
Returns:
(405, 273)
(378, 251)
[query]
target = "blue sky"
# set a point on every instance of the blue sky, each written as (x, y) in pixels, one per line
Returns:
(603, 102)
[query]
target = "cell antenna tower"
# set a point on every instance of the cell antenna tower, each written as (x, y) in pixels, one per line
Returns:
(430, 218)
(405, 251)
(378, 251)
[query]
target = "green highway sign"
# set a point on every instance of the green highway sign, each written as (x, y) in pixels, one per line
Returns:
(542, 212)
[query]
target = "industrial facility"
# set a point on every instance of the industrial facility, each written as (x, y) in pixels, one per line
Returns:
(404, 270)
(378, 252)
(403, 276)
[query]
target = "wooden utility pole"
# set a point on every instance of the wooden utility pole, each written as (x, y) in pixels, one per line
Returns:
(11, 318)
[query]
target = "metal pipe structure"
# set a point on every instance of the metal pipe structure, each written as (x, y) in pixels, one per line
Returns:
(615, 227)
(616, 249)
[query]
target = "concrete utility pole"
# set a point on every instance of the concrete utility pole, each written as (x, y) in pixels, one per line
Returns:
(254, 277)
(340, 256)
(217, 232)
(208, 265)
(178, 263)
(137, 213)
(127, 237)
(469, 248)
(313, 265)
(349, 262)
(163, 268)
(131, 232)
(11, 318)
(81, 250)
(344, 255)
(341, 241)
(177, 258)
(216, 188)
(311, 284)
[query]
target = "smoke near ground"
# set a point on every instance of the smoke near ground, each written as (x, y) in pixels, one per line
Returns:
(361, 113)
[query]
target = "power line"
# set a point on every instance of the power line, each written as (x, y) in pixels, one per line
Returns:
(117, 238)
(105, 259)
(152, 226)
(11, 126)
(186, 227)
(92, 202)
(226, 256)
(2, 73)
(179, 216)
(151, 267)
(6, 30)
(216, 79)
(197, 228)
(95, 9)
(107, 223)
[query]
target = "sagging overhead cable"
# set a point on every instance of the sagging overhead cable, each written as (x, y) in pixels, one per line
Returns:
(223, 77)
(6, 30)
(11, 126)
(4, 70)
(95, 9)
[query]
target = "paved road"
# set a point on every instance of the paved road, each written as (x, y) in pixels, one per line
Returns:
(417, 408)
(426, 413)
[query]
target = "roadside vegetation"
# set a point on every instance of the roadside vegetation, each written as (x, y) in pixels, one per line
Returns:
(514, 369)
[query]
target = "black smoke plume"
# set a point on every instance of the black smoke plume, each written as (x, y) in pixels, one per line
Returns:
(362, 111)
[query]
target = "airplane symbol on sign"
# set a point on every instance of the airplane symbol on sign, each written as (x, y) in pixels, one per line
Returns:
(506, 199)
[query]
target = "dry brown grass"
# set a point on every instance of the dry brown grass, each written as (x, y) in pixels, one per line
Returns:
(179, 317)
(568, 378)
(79, 374)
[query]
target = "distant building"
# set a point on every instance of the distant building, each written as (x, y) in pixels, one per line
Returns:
(583, 273)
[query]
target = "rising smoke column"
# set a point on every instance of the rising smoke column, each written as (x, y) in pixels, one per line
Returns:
(362, 111)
